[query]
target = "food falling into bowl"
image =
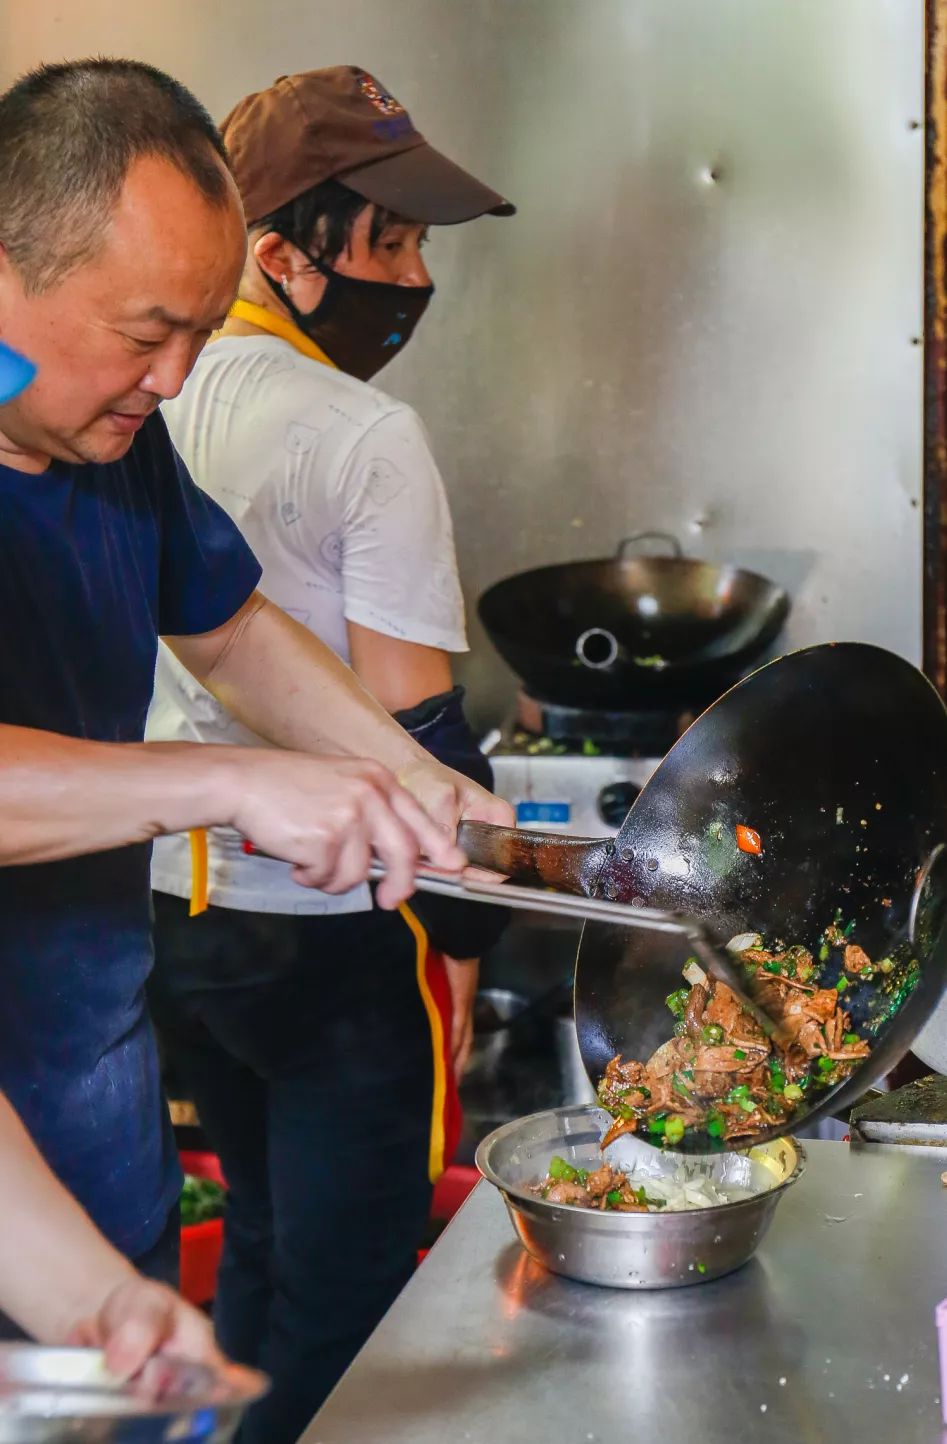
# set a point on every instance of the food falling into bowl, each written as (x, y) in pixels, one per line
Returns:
(721, 1077)
(616, 1190)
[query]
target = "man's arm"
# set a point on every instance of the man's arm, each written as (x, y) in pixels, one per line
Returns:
(62, 797)
(286, 685)
(63, 1283)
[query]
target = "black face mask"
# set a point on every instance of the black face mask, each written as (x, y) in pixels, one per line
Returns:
(360, 325)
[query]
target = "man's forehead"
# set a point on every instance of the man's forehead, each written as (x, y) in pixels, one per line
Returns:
(213, 312)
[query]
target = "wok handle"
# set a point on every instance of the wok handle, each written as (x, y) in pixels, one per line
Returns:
(571, 864)
(665, 536)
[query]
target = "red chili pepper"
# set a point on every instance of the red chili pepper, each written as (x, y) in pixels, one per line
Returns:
(748, 840)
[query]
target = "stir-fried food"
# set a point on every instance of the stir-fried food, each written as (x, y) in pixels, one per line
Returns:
(603, 1188)
(720, 1074)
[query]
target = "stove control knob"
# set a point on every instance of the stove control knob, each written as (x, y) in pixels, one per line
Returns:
(615, 800)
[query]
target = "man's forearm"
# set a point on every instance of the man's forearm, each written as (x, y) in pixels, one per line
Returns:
(287, 686)
(62, 796)
(54, 1264)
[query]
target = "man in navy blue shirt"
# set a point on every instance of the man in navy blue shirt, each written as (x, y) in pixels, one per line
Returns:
(121, 244)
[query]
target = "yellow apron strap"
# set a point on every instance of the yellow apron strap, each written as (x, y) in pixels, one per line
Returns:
(280, 326)
(438, 1141)
(198, 837)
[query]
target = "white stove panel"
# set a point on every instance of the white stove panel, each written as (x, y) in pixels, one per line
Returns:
(565, 794)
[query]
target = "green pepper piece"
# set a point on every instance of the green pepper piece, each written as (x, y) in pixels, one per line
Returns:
(674, 1129)
(712, 1033)
(657, 1124)
(747, 1105)
(560, 1169)
(739, 1054)
(582, 1176)
(715, 1125)
(825, 1065)
(613, 1198)
(850, 1038)
(841, 985)
(793, 1093)
(824, 953)
(677, 1001)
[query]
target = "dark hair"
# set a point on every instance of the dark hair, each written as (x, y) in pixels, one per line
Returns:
(321, 219)
(68, 134)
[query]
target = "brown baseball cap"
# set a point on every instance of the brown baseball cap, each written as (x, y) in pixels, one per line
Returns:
(342, 124)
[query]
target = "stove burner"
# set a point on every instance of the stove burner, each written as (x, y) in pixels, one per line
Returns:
(644, 733)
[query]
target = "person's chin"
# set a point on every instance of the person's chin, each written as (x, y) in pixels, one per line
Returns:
(110, 437)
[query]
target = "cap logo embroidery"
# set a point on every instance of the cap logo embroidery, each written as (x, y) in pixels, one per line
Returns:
(379, 98)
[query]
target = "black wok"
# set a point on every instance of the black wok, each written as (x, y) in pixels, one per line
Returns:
(837, 757)
(632, 631)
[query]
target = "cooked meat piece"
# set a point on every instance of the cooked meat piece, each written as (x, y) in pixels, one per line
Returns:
(721, 1059)
(621, 1074)
(834, 936)
(671, 1057)
(693, 1013)
(810, 1038)
(630, 1208)
(724, 1010)
(662, 1095)
(568, 1193)
(757, 956)
(822, 1005)
(602, 1180)
(855, 959)
(775, 998)
(795, 985)
(711, 1085)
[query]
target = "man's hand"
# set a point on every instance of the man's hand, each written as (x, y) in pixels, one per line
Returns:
(331, 816)
(450, 797)
(462, 978)
(140, 1318)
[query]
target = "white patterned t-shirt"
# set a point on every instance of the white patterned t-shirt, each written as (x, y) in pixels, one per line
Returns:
(334, 486)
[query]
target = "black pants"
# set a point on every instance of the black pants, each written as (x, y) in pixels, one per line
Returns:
(314, 1084)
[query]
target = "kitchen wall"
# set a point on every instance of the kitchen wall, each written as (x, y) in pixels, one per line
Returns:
(706, 316)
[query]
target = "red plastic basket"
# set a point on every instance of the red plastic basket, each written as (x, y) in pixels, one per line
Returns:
(201, 1243)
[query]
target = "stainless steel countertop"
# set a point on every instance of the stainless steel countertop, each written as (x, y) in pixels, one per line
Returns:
(484, 1347)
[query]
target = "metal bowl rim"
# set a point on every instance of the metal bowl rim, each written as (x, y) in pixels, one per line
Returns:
(541, 1205)
(215, 1394)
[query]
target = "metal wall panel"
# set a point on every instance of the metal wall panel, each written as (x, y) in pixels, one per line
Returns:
(706, 316)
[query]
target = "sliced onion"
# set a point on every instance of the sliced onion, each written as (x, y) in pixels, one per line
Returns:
(743, 942)
(694, 973)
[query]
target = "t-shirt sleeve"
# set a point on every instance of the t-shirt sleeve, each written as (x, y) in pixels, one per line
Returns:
(398, 563)
(207, 570)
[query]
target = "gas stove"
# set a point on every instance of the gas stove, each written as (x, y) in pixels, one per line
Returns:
(577, 770)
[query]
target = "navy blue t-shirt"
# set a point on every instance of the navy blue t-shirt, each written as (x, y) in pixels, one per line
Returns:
(95, 563)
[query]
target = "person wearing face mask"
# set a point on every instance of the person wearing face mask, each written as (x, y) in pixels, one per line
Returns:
(321, 1038)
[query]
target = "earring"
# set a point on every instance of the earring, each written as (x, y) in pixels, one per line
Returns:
(284, 282)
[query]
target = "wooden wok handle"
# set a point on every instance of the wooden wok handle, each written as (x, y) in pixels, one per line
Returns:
(571, 864)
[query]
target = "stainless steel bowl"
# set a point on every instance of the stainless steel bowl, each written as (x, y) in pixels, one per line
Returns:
(66, 1396)
(633, 1250)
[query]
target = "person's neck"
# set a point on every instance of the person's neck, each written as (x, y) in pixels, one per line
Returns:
(22, 458)
(239, 326)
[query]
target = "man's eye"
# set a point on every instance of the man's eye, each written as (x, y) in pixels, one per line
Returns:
(393, 245)
(144, 343)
